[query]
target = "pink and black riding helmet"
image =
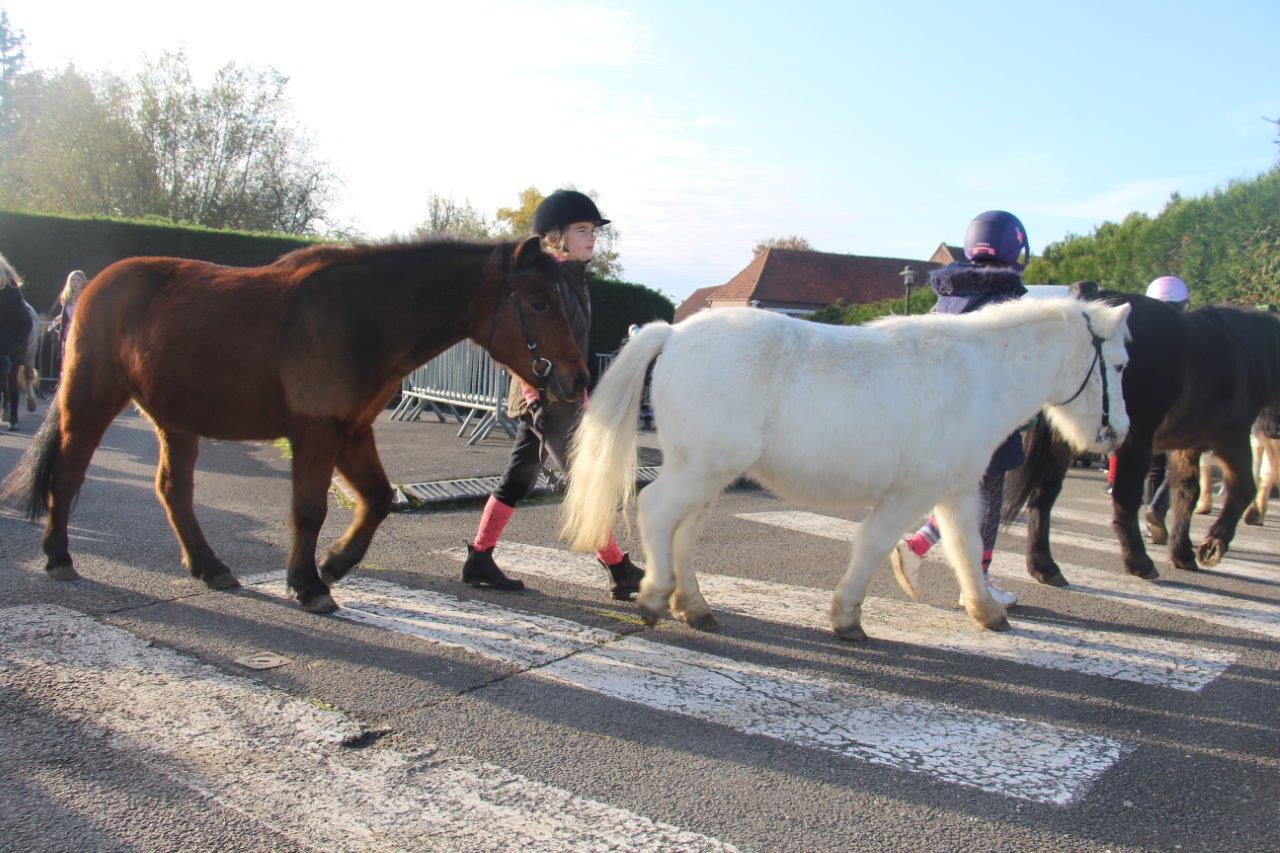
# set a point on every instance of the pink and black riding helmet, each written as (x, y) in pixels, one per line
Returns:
(1171, 289)
(997, 237)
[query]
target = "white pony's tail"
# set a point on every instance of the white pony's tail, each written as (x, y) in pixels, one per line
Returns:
(602, 468)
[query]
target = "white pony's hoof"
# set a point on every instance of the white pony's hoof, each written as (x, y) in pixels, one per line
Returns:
(1001, 624)
(702, 621)
(852, 633)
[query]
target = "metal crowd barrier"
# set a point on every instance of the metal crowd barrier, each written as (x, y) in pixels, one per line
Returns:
(462, 382)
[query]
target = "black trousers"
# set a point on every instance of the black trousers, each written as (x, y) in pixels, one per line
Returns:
(10, 364)
(531, 450)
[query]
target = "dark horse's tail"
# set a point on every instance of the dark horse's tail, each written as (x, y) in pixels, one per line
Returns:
(1045, 450)
(29, 482)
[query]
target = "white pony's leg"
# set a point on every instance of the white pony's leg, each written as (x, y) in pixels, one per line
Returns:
(881, 530)
(687, 602)
(1205, 505)
(676, 495)
(958, 520)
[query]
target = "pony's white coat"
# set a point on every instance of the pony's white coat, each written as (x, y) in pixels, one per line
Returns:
(903, 414)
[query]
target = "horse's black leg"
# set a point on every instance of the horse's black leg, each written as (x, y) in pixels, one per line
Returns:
(1236, 458)
(175, 486)
(1133, 460)
(1040, 562)
(358, 463)
(1184, 479)
(315, 451)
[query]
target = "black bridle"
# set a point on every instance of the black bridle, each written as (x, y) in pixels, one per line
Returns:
(543, 368)
(1106, 433)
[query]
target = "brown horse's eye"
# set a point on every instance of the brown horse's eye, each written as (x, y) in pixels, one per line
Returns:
(540, 306)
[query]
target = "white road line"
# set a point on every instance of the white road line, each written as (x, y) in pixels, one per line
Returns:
(280, 760)
(1243, 540)
(1109, 654)
(1011, 757)
(1204, 604)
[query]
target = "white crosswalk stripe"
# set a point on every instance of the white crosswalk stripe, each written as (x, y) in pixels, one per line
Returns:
(1205, 604)
(280, 761)
(1016, 758)
(1109, 654)
(1242, 540)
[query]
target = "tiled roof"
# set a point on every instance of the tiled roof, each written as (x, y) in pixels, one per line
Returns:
(697, 300)
(819, 278)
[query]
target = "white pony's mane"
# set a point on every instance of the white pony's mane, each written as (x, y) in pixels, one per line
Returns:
(1000, 315)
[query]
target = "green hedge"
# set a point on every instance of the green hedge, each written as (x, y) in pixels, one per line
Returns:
(1225, 245)
(840, 314)
(44, 248)
(615, 305)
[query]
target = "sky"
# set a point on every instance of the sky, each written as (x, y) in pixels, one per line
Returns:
(870, 128)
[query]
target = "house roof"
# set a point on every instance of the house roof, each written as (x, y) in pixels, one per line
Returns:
(802, 277)
(699, 299)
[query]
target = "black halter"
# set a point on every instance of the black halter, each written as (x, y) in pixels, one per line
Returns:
(1105, 432)
(542, 367)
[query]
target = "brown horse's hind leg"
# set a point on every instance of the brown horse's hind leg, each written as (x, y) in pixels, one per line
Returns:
(87, 409)
(359, 464)
(315, 451)
(175, 486)
(1236, 458)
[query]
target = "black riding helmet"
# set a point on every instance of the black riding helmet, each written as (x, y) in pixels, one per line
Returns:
(563, 208)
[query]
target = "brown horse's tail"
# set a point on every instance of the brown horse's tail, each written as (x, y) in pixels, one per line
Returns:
(29, 482)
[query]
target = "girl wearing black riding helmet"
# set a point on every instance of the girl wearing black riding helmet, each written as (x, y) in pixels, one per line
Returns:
(566, 221)
(996, 246)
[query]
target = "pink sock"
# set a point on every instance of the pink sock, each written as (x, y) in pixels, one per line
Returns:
(495, 517)
(986, 560)
(918, 544)
(610, 554)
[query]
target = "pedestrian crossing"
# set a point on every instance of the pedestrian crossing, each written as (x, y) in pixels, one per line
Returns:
(1244, 539)
(251, 747)
(1003, 755)
(285, 763)
(1050, 645)
(1233, 612)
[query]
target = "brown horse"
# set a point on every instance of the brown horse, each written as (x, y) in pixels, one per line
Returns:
(311, 347)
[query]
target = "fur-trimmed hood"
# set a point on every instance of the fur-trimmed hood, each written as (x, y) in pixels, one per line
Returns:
(968, 279)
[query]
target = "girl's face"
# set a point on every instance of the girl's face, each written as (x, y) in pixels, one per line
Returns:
(580, 241)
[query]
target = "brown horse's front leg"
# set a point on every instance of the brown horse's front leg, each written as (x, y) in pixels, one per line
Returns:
(315, 451)
(359, 464)
(1133, 460)
(1236, 458)
(1184, 480)
(175, 486)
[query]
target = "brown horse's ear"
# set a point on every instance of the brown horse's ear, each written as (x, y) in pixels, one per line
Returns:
(527, 253)
(1085, 290)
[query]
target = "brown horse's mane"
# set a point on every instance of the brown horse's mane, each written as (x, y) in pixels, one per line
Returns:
(309, 259)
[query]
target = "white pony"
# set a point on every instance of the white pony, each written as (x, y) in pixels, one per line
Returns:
(902, 414)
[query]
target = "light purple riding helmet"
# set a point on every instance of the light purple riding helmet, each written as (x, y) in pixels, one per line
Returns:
(1171, 289)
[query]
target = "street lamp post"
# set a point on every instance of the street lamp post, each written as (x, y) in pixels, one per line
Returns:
(908, 279)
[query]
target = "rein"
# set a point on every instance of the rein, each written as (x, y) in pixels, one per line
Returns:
(1105, 432)
(542, 366)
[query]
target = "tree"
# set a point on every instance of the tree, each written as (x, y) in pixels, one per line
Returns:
(518, 221)
(793, 241)
(446, 217)
(12, 60)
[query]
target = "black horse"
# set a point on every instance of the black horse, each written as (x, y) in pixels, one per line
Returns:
(1195, 381)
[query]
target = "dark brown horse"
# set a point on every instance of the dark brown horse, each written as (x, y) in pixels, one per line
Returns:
(311, 347)
(1195, 382)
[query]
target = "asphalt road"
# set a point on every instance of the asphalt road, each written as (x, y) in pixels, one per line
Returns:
(1119, 714)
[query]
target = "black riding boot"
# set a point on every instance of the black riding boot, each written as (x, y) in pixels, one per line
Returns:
(481, 570)
(624, 578)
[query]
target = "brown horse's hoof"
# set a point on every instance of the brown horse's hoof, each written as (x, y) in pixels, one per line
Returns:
(31, 405)
(1143, 568)
(222, 582)
(1252, 517)
(853, 634)
(63, 572)
(1211, 552)
(1207, 509)
(320, 604)
(1055, 579)
(1184, 564)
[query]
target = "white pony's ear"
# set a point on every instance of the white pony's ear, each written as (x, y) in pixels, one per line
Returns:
(1110, 318)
